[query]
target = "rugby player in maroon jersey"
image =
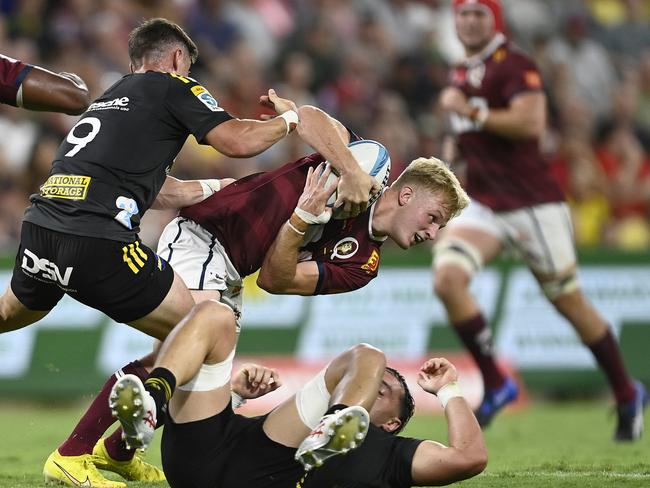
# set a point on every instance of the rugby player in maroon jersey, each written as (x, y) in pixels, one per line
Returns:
(36, 88)
(253, 223)
(497, 110)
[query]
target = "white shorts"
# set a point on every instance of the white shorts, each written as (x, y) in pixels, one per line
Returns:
(542, 235)
(201, 261)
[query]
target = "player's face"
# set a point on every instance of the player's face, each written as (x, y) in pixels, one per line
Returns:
(388, 403)
(419, 217)
(475, 27)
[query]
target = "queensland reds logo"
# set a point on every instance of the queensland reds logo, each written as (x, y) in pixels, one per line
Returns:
(475, 75)
(345, 248)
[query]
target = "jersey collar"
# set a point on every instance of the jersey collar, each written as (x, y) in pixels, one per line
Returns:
(497, 41)
(370, 233)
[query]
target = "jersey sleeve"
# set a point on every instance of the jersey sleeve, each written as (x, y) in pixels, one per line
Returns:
(342, 276)
(194, 107)
(12, 74)
(521, 75)
(398, 469)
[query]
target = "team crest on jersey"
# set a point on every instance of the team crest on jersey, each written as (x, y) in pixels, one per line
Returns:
(373, 262)
(205, 98)
(475, 75)
(68, 187)
(345, 248)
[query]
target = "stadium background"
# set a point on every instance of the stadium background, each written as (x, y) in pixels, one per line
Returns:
(377, 65)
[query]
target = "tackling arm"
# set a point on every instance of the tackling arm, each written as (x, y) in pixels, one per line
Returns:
(243, 138)
(176, 193)
(63, 92)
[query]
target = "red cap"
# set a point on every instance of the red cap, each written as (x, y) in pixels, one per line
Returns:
(494, 6)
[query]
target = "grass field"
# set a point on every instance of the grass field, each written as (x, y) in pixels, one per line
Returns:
(544, 445)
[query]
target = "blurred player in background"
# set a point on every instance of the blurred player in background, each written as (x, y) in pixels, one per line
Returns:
(36, 88)
(279, 221)
(205, 444)
(498, 113)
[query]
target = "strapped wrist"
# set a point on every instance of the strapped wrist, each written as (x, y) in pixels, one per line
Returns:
(309, 218)
(291, 119)
(210, 187)
(449, 391)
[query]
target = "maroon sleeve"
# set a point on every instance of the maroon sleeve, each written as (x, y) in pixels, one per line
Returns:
(12, 74)
(341, 276)
(520, 75)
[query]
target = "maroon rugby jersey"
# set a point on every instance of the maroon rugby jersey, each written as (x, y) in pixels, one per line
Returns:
(12, 74)
(247, 215)
(502, 173)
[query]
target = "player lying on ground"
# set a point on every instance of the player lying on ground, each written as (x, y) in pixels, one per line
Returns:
(254, 223)
(205, 444)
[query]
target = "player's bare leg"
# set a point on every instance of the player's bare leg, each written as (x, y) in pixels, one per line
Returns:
(14, 315)
(462, 252)
(631, 396)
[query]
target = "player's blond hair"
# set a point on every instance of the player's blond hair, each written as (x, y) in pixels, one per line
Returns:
(434, 175)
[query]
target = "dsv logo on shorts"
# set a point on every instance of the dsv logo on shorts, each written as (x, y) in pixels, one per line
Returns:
(49, 270)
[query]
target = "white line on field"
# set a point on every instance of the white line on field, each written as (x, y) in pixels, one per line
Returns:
(565, 474)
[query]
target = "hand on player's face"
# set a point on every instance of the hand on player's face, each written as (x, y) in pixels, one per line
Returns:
(316, 192)
(276, 103)
(436, 373)
(254, 381)
(355, 189)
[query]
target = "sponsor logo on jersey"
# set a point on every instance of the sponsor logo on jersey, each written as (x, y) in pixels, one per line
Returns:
(345, 248)
(373, 262)
(68, 187)
(121, 103)
(45, 268)
(206, 99)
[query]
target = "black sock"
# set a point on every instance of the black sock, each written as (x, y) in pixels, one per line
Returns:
(336, 408)
(160, 384)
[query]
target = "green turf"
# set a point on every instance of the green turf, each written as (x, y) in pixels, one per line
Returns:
(546, 445)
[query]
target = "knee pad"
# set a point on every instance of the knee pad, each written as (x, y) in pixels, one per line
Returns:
(211, 376)
(457, 252)
(557, 287)
(312, 400)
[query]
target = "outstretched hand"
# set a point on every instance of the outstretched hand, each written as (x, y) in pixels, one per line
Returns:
(254, 380)
(277, 104)
(316, 193)
(436, 373)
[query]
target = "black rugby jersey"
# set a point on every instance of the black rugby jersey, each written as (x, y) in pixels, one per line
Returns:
(112, 164)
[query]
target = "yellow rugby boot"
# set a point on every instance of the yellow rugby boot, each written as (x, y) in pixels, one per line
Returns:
(134, 470)
(76, 471)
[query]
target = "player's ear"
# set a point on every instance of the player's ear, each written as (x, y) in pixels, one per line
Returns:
(405, 195)
(391, 425)
(177, 60)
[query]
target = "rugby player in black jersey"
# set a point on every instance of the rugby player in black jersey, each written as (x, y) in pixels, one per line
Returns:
(205, 444)
(79, 235)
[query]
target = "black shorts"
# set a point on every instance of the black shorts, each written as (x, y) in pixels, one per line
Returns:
(226, 451)
(126, 281)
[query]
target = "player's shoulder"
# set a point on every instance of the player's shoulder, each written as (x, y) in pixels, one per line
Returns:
(510, 55)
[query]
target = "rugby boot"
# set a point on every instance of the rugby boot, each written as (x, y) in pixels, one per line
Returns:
(136, 469)
(630, 415)
(75, 471)
(135, 409)
(337, 433)
(494, 400)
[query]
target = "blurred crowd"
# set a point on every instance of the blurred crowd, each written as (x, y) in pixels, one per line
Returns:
(378, 66)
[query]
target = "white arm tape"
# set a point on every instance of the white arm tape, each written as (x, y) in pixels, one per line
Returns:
(290, 117)
(310, 219)
(449, 391)
(210, 187)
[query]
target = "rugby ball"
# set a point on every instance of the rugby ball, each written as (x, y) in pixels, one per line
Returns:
(373, 159)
